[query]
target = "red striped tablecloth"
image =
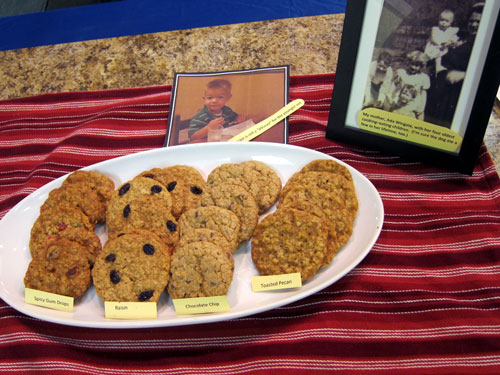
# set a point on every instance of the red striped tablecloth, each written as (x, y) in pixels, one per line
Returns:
(426, 299)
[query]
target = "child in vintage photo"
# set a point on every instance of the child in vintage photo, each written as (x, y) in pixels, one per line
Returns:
(405, 103)
(414, 76)
(215, 114)
(443, 36)
(379, 83)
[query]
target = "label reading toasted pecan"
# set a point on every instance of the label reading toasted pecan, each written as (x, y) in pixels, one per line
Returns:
(274, 282)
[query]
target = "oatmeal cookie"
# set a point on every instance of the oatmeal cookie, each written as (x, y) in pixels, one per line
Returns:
(62, 269)
(212, 217)
(132, 267)
(206, 235)
(327, 165)
(289, 241)
(200, 269)
(236, 199)
(270, 183)
(99, 182)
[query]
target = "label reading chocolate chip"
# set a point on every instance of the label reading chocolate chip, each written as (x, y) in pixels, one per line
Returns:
(201, 305)
(50, 300)
(274, 282)
(130, 310)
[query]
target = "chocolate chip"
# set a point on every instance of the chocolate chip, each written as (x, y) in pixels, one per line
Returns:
(114, 277)
(126, 211)
(172, 227)
(148, 249)
(171, 185)
(155, 189)
(124, 189)
(72, 272)
(110, 257)
(196, 190)
(146, 295)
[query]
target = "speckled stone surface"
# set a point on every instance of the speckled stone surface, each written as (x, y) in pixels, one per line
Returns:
(308, 44)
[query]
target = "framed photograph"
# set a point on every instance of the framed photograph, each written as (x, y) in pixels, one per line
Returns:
(418, 78)
(214, 107)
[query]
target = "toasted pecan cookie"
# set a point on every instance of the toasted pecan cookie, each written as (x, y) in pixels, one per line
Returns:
(63, 269)
(133, 267)
(148, 212)
(99, 182)
(327, 165)
(289, 241)
(79, 196)
(332, 182)
(118, 207)
(200, 269)
(331, 204)
(333, 245)
(237, 199)
(213, 217)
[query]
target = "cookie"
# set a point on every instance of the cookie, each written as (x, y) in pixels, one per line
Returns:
(118, 207)
(212, 217)
(184, 183)
(236, 199)
(333, 245)
(207, 235)
(332, 182)
(148, 212)
(99, 182)
(327, 165)
(289, 241)
(69, 223)
(247, 176)
(79, 196)
(200, 269)
(133, 267)
(62, 269)
(330, 203)
(270, 184)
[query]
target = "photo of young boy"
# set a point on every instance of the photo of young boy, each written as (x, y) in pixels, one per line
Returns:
(214, 107)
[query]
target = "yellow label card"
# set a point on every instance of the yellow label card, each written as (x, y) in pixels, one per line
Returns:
(409, 129)
(201, 305)
(50, 300)
(130, 310)
(273, 282)
(268, 123)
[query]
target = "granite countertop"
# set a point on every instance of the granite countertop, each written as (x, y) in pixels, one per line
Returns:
(308, 44)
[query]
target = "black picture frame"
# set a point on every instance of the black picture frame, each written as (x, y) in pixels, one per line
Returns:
(358, 48)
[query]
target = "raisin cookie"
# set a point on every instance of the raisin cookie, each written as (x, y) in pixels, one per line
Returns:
(62, 269)
(133, 267)
(289, 241)
(200, 269)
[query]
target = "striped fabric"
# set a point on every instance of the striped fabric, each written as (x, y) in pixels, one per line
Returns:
(426, 299)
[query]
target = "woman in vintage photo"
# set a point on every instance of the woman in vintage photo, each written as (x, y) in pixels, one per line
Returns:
(445, 89)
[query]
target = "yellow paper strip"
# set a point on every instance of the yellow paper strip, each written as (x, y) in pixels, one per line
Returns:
(268, 123)
(274, 282)
(201, 305)
(50, 300)
(130, 310)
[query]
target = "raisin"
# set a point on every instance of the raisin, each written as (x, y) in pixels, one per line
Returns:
(172, 227)
(146, 295)
(155, 189)
(114, 277)
(72, 272)
(126, 211)
(171, 185)
(110, 257)
(196, 190)
(124, 189)
(149, 175)
(148, 249)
